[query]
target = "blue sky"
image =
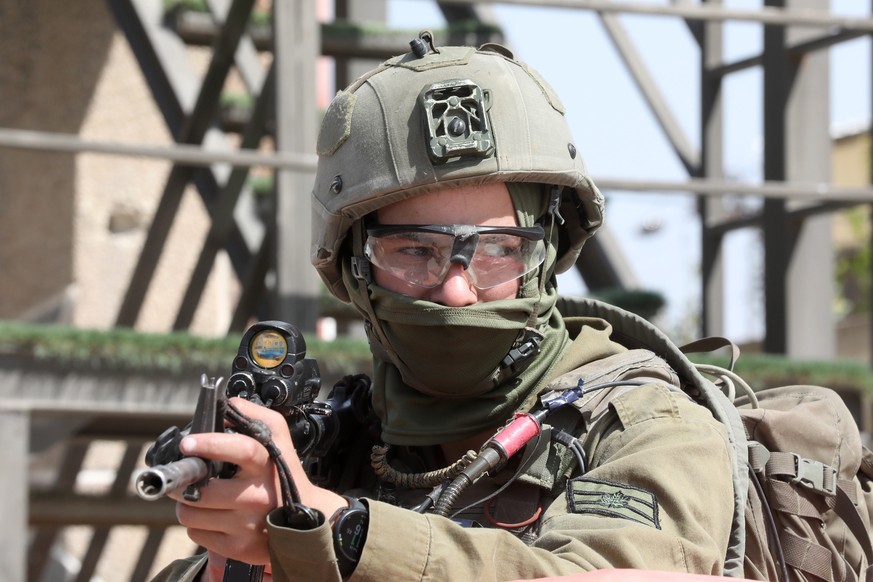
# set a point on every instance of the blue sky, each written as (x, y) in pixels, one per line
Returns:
(618, 136)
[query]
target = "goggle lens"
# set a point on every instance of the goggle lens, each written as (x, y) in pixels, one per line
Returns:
(422, 257)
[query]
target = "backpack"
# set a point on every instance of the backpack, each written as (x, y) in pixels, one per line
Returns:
(803, 481)
(810, 482)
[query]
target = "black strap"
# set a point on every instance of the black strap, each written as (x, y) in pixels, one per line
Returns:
(236, 571)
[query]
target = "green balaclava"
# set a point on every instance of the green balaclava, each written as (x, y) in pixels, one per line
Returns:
(440, 373)
(435, 118)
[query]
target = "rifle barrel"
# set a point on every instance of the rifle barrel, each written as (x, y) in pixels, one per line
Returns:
(155, 482)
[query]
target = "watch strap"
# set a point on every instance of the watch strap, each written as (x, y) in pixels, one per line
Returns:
(356, 510)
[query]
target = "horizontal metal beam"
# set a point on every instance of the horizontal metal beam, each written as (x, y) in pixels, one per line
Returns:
(180, 154)
(60, 142)
(53, 509)
(765, 15)
(798, 49)
(199, 29)
(814, 192)
(797, 214)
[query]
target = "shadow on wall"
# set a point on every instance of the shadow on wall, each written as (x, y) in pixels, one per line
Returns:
(51, 55)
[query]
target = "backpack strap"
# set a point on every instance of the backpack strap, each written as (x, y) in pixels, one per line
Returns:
(633, 331)
(710, 344)
(784, 473)
(844, 505)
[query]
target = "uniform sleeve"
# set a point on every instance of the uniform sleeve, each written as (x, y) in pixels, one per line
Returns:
(303, 555)
(658, 497)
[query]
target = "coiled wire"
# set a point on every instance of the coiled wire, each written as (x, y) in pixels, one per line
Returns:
(384, 470)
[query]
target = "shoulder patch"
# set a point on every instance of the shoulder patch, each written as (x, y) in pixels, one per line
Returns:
(613, 500)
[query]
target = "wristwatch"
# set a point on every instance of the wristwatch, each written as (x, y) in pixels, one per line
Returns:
(349, 534)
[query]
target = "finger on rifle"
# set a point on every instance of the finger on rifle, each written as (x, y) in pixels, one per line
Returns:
(237, 494)
(233, 448)
(269, 416)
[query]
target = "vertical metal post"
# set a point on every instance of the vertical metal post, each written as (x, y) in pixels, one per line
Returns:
(15, 436)
(711, 166)
(297, 44)
(798, 257)
(868, 401)
(347, 70)
(778, 234)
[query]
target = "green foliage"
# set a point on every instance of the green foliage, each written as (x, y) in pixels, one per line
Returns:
(768, 371)
(174, 353)
(644, 303)
(852, 269)
(257, 17)
(128, 351)
(193, 5)
(262, 184)
(232, 99)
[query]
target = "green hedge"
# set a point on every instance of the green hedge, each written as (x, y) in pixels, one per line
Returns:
(768, 371)
(129, 351)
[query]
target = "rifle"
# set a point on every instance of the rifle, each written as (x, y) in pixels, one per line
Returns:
(270, 369)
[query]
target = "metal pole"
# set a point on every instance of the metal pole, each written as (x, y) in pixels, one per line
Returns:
(296, 34)
(798, 256)
(765, 15)
(712, 166)
(15, 435)
(778, 233)
(868, 401)
(180, 154)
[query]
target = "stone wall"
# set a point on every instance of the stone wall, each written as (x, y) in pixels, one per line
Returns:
(51, 57)
(71, 226)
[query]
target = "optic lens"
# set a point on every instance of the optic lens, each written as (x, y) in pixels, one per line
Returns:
(268, 349)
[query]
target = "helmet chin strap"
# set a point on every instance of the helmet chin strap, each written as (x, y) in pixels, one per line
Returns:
(362, 270)
(528, 344)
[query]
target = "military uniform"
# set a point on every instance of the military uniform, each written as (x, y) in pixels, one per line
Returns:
(657, 495)
(657, 492)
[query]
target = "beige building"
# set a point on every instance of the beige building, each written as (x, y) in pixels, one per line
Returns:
(72, 226)
(851, 168)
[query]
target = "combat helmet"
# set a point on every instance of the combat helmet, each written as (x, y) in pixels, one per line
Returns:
(441, 117)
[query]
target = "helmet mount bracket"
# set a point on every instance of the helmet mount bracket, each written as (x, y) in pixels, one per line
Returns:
(456, 120)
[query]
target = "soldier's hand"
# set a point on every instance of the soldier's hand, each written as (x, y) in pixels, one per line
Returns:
(230, 518)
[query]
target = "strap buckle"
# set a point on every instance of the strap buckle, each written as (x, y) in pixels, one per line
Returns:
(361, 270)
(813, 475)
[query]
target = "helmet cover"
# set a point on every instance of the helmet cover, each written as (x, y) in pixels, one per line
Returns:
(453, 116)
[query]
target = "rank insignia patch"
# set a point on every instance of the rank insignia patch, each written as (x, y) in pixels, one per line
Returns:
(613, 500)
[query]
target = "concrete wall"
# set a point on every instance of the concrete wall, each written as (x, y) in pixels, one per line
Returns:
(71, 226)
(51, 56)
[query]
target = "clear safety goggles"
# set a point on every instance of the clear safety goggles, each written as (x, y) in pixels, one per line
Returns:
(422, 254)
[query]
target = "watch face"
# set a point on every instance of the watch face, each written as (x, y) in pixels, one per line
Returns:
(351, 533)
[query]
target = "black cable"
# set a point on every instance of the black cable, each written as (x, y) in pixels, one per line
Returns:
(574, 446)
(597, 387)
(521, 468)
(771, 525)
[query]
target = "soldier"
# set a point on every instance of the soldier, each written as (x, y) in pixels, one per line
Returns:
(448, 194)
